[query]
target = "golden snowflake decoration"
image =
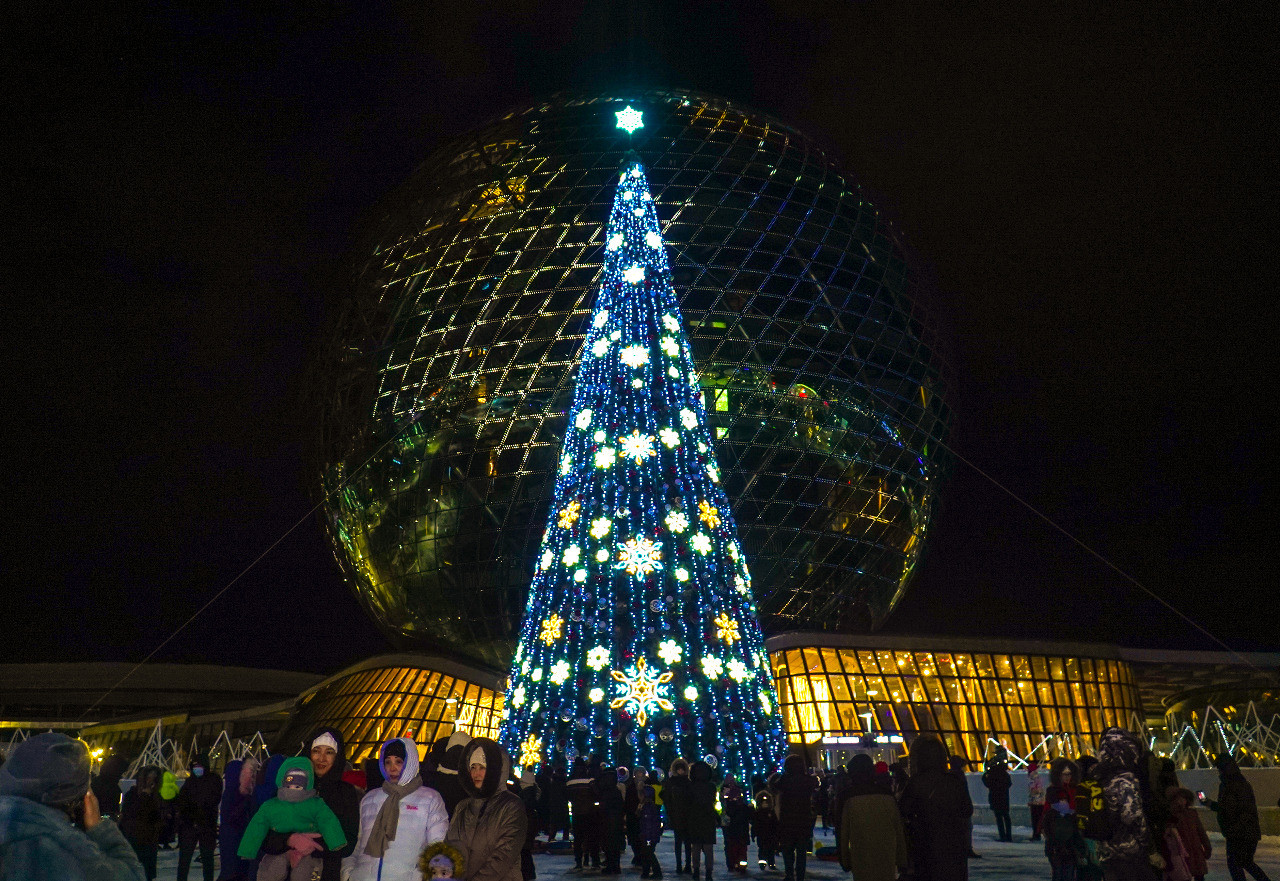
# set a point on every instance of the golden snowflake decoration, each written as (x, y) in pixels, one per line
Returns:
(727, 629)
(708, 514)
(530, 751)
(639, 556)
(636, 446)
(641, 691)
(552, 629)
(569, 514)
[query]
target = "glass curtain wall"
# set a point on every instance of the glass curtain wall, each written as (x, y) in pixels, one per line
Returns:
(1046, 705)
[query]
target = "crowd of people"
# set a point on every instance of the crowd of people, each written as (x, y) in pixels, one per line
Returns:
(460, 814)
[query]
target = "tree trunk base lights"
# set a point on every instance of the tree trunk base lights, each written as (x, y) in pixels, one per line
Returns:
(641, 640)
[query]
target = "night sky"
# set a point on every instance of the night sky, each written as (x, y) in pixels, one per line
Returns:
(1088, 195)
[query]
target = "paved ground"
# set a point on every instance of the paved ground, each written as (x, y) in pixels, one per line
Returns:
(1016, 861)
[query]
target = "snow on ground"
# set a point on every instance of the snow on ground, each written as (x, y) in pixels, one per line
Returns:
(1015, 861)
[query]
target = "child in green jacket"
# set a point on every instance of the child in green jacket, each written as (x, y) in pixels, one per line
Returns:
(296, 808)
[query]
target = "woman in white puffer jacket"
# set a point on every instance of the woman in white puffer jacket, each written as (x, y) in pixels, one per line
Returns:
(397, 820)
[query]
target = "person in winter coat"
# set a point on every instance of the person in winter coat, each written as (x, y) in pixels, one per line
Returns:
(196, 807)
(936, 809)
(50, 826)
(142, 818)
(580, 789)
(556, 804)
(649, 831)
(735, 824)
(530, 797)
(296, 810)
(872, 842)
(675, 798)
(266, 788)
(106, 784)
(488, 826)
(1195, 841)
(329, 760)
(1238, 819)
(398, 818)
(612, 812)
(1126, 853)
(1063, 844)
(168, 793)
(238, 807)
(1035, 797)
(998, 782)
(702, 820)
(764, 829)
(450, 774)
(796, 790)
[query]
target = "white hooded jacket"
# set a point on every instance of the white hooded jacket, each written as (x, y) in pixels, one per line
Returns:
(423, 820)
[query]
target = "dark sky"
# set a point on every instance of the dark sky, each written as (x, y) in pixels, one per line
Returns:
(1088, 192)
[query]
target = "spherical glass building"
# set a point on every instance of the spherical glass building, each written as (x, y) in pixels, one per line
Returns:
(445, 395)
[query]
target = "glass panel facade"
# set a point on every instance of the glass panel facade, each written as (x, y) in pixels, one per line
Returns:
(452, 372)
(371, 706)
(1025, 702)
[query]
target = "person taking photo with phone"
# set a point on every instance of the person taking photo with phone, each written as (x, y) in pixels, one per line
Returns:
(50, 826)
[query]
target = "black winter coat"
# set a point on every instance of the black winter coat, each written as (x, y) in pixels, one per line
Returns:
(702, 819)
(1237, 810)
(796, 790)
(936, 808)
(676, 796)
(998, 783)
(198, 801)
(140, 818)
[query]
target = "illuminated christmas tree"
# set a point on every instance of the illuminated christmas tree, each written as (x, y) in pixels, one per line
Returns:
(640, 639)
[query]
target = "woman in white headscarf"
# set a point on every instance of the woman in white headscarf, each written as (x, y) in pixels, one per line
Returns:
(398, 819)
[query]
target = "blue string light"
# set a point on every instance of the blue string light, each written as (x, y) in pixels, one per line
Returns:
(641, 640)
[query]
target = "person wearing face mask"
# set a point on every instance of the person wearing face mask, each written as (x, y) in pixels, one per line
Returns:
(488, 826)
(50, 826)
(397, 819)
(196, 807)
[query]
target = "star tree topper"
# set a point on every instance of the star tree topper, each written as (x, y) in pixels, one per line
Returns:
(629, 119)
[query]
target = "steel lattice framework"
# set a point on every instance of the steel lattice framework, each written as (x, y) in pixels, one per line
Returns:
(446, 394)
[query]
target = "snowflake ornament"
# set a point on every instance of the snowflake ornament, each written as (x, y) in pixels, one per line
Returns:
(598, 657)
(700, 543)
(670, 651)
(688, 418)
(571, 555)
(676, 521)
(552, 629)
(681, 574)
(559, 672)
(569, 514)
(595, 695)
(634, 274)
(670, 438)
(708, 514)
(670, 322)
(639, 556)
(600, 527)
(530, 751)
(691, 693)
(600, 347)
(727, 629)
(738, 671)
(583, 419)
(652, 239)
(605, 457)
(712, 667)
(547, 559)
(602, 317)
(636, 446)
(517, 696)
(635, 356)
(566, 463)
(668, 345)
(641, 691)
